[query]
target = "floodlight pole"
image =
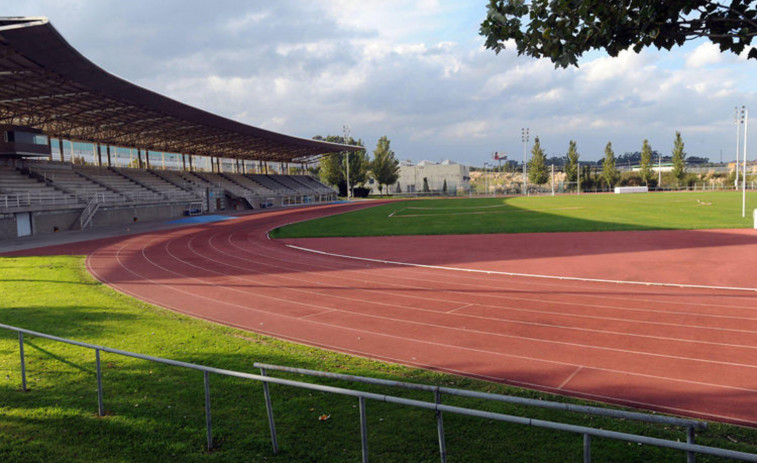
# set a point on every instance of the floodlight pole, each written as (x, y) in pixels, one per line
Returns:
(346, 130)
(659, 171)
(578, 177)
(745, 114)
(737, 121)
(524, 137)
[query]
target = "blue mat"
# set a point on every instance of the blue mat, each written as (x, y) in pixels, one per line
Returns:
(204, 219)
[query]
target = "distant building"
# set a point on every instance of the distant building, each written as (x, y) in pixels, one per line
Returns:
(412, 176)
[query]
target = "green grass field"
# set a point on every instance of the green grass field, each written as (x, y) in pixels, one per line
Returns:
(155, 412)
(598, 212)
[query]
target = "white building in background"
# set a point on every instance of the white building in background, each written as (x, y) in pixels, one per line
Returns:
(412, 177)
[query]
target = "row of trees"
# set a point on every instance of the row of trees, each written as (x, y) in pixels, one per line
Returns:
(537, 166)
(384, 168)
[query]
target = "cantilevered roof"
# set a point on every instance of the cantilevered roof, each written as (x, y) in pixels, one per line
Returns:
(45, 83)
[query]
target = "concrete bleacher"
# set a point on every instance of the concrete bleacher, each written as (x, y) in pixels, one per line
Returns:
(151, 180)
(53, 196)
(20, 190)
(113, 180)
(269, 182)
(63, 177)
(313, 184)
(223, 183)
(250, 184)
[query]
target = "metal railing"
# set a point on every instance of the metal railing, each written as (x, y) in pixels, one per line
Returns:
(690, 448)
(18, 200)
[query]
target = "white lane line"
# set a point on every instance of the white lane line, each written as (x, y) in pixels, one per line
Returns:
(528, 275)
(572, 375)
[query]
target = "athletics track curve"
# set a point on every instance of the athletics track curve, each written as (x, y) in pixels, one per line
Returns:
(688, 351)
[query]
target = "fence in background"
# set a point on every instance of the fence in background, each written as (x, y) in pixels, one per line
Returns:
(689, 447)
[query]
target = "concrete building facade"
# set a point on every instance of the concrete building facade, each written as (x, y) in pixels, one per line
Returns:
(411, 179)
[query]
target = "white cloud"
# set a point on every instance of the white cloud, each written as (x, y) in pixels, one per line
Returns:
(704, 55)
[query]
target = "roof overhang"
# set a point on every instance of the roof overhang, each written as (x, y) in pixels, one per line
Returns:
(47, 84)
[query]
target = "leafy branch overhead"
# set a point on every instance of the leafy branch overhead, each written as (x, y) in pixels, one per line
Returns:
(563, 30)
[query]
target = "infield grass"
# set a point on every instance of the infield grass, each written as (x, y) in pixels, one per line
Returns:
(566, 213)
(155, 412)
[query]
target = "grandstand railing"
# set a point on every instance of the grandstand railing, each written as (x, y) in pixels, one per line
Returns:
(689, 447)
(18, 200)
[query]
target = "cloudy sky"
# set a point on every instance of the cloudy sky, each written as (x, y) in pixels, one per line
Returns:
(416, 72)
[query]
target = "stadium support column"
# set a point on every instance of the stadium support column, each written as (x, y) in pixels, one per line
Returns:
(139, 157)
(107, 150)
(50, 148)
(99, 155)
(147, 158)
(183, 162)
(191, 167)
(60, 148)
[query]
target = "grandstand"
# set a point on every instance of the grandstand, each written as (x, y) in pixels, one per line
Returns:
(66, 124)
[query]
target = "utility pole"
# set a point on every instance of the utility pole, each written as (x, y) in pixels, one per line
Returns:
(578, 178)
(659, 170)
(524, 137)
(346, 131)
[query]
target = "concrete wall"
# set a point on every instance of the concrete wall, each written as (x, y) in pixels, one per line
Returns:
(411, 178)
(7, 226)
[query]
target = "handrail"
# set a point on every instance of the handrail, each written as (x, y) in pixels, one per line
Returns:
(636, 416)
(587, 432)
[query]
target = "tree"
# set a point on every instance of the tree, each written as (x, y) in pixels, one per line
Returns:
(609, 172)
(571, 168)
(645, 170)
(444, 186)
(537, 168)
(679, 158)
(563, 30)
(385, 167)
(425, 185)
(333, 168)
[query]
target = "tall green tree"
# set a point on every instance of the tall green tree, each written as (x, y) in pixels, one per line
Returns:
(385, 168)
(571, 168)
(563, 30)
(679, 158)
(610, 174)
(645, 170)
(333, 168)
(537, 167)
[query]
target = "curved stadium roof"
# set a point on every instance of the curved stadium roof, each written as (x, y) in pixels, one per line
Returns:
(46, 84)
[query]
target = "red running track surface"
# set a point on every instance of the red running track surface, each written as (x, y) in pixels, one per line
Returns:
(683, 350)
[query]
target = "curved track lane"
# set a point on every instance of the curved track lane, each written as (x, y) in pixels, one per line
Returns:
(680, 350)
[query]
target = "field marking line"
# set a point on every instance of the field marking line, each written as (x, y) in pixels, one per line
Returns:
(527, 275)
(571, 376)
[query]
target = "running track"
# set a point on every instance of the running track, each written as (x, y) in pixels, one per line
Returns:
(683, 350)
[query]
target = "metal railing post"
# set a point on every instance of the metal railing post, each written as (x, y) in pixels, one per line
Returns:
(269, 411)
(440, 427)
(587, 448)
(363, 430)
(208, 424)
(691, 457)
(100, 408)
(23, 363)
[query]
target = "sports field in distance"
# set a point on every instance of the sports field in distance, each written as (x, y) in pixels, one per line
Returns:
(595, 212)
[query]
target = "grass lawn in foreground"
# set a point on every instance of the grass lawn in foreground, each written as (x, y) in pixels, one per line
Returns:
(155, 412)
(565, 213)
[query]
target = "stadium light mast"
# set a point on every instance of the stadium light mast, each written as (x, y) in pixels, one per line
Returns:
(737, 121)
(346, 131)
(524, 137)
(745, 120)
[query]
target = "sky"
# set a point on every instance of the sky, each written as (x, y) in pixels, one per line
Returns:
(414, 71)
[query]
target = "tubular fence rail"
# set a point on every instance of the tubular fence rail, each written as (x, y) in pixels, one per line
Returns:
(16, 200)
(689, 447)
